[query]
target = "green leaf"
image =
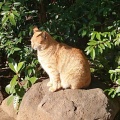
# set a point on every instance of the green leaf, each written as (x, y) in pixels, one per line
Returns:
(11, 66)
(15, 67)
(98, 36)
(114, 94)
(29, 71)
(111, 91)
(109, 35)
(7, 88)
(118, 82)
(111, 71)
(105, 43)
(93, 54)
(5, 8)
(117, 70)
(20, 65)
(4, 13)
(118, 94)
(1, 3)
(10, 99)
(15, 13)
(111, 76)
(88, 50)
(16, 49)
(118, 89)
(100, 49)
(117, 42)
(93, 35)
(13, 82)
(92, 42)
(108, 44)
(84, 32)
(17, 3)
(92, 70)
(102, 46)
(33, 80)
(12, 19)
(4, 20)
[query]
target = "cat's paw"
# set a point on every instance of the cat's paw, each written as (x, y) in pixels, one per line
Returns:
(56, 87)
(52, 89)
(49, 84)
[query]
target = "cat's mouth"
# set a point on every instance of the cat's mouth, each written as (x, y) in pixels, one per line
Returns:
(39, 47)
(35, 47)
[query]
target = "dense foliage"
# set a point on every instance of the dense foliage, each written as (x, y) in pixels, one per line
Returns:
(93, 26)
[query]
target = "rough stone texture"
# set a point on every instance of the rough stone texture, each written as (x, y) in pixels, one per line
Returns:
(5, 116)
(1, 97)
(30, 102)
(8, 109)
(91, 104)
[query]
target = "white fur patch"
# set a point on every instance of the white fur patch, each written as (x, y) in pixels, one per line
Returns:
(65, 85)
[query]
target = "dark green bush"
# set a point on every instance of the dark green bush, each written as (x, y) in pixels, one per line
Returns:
(15, 32)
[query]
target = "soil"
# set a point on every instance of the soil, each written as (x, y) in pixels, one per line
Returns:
(5, 77)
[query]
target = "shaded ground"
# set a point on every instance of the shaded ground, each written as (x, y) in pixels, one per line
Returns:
(5, 78)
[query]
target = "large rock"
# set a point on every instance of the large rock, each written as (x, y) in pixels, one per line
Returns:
(5, 116)
(91, 104)
(9, 109)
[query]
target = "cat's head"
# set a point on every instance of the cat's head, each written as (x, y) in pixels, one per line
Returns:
(39, 39)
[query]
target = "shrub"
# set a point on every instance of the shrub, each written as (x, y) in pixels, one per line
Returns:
(19, 83)
(15, 33)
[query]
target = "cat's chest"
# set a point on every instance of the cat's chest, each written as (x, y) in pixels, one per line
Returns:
(42, 62)
(45, 64)
(39, 59)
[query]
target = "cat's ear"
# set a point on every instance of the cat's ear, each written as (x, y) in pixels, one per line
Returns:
(35, 29)
(44, 35)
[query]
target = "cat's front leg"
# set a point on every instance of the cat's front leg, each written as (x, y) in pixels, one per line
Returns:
(49, 84)
(55, 83)
(56, 86)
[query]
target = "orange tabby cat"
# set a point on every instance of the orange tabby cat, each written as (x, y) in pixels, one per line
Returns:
(66, 66)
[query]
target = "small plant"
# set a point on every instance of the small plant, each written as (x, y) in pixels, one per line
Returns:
(103, 49)
(20, 82)
(115, 77)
